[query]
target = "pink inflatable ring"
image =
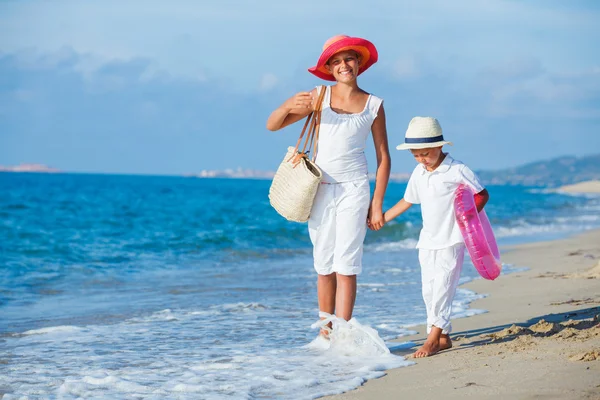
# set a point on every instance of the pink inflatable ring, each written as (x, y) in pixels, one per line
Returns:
(477, 233)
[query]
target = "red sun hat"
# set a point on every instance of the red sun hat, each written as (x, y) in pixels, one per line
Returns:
(336, 44)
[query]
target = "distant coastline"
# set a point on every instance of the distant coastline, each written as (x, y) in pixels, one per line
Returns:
(553, 173)
(232, 173)
(258, 174)
(29, 168)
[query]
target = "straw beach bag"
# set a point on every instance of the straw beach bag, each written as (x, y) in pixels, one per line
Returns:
(297, 179)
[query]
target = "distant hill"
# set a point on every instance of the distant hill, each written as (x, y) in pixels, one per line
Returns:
(549, 173)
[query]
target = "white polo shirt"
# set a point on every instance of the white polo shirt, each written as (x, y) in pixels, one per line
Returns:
(435, 192)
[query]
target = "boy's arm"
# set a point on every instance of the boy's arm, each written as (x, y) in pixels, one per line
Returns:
(469, 177)
(396, 210)
(481, 199)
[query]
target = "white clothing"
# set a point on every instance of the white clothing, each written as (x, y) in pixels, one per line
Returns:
(338, 220)
(440, 272)
(342, 140)
(338, 225)
(435, 191)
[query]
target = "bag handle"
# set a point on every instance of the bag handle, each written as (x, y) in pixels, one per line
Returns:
(313, 137)
(314, 119)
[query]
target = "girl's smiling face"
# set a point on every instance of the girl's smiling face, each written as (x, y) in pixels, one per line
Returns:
(344, 66)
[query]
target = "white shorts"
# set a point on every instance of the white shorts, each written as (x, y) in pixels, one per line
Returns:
(338, 225)
(440, 272)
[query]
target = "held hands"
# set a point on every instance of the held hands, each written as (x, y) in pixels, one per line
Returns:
(375, 220)
(302, 100)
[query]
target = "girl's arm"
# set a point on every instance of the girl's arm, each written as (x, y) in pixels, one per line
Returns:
(292, 110)
(375, 219)
(396, 210)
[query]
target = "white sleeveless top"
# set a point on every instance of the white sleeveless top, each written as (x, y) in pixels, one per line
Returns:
(342, 140)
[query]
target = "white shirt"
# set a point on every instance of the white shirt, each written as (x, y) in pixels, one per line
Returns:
(342, 140)
(435, 192)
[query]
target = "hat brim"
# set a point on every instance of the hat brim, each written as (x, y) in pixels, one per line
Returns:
(417, 146)
(366, 49)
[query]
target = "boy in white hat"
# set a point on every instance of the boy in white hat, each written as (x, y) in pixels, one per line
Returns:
(441, 245)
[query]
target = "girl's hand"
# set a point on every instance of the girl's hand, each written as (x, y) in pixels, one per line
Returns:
(302, 100)
(375, 220)
(292, 110)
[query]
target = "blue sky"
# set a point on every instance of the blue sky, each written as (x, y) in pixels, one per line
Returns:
(180, 86)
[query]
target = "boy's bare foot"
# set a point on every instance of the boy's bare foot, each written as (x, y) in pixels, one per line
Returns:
(428, 349)
(445, 342)
(436, 342)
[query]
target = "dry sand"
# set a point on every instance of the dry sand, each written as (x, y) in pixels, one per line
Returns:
(582, 187)
(539, 340)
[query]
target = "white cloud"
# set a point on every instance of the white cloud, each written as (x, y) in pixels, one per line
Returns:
(24, 95)
(268, 82)
(406, 68)
(556, 94)
(516, 68)
(212, 39)
(147, 109)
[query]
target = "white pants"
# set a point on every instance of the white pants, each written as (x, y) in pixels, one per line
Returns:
(440, 272)
(338, 225)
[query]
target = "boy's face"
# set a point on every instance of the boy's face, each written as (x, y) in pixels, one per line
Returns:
(428, 157)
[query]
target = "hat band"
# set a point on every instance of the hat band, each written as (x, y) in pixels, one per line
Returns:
(424, 140)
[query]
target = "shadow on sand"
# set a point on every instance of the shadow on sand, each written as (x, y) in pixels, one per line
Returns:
(542, 326)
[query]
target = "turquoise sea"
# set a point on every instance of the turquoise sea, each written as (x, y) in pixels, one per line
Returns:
(153, 287)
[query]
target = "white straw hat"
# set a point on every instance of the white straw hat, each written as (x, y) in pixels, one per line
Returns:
(422, 133)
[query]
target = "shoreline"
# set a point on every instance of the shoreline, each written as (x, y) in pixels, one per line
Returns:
(491, 360)
(585, 187)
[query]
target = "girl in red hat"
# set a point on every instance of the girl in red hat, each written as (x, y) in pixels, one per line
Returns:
(343, 207)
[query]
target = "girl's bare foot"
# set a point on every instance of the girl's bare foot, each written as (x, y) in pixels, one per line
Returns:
(325, 332)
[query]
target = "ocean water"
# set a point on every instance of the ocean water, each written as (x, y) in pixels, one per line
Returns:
(150, 287)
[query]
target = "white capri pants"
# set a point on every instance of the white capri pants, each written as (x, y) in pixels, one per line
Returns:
(440, 272)
(338, 225)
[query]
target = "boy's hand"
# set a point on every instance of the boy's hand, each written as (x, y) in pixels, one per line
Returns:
(375, 220)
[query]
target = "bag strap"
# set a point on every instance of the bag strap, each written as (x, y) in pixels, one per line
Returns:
(318, 126)
(314, 119)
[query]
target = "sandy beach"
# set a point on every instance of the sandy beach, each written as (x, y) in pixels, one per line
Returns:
(582, 187)
(540, 338)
